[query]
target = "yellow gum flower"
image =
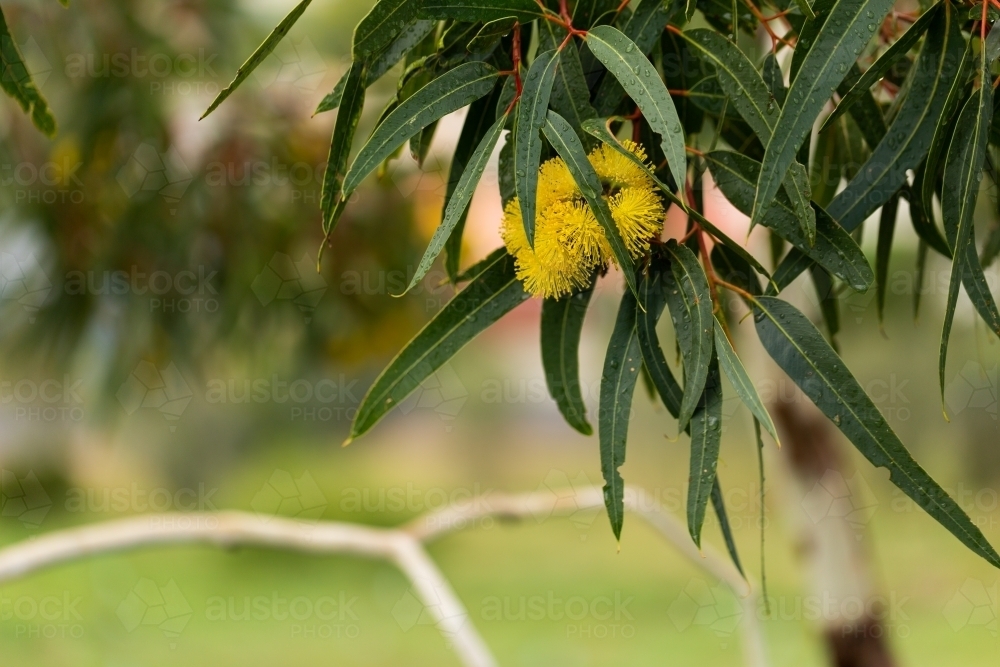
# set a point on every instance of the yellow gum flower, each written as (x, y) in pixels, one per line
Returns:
(569, 242)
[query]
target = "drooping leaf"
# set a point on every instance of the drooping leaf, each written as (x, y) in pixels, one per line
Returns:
(800, 350)
(562, 137)
(447, 93)
(476, 125)
(653, 301)
(493, 293)
(774, 79)
(942, 135)
(528, 142)
(383, 23)
(719, 505)
(570, 94)
(640, 80)
(16, 81)
(411, 35)
(731, 365)
(884, 62)
(621, 369)
(908, 139)
(340, 143)
(886, 229)
(829, 306)
(847, 29)
(706, 437)
(471, 11)
(734, 270)
(962, 171)
(923, 223)
(834, 248)
(258, 56)
(562, 323)
(687, 294)
(458, 203)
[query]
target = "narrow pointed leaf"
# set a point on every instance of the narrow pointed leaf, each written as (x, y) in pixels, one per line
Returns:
(737, 374)
(978, 288)
(719, 505)
(884, 62)
(653, 301)
(562, 137)
(923, 223)
(706, 437)
(625, 61)
(800, 350)
(459, 201)
(447, 93)
(848, 28)
(382, 25)
(942, 134)
(834, 248)
(16, 81)
(471, 11)
(340, 143)
(687, 294)
(491, 33)
(528, 142)
(621, 369)
(492, 294)
(258, 56)
(562, 323)
(906, 143)
(962, 171)
(886, 229)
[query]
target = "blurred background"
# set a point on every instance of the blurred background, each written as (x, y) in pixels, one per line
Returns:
(167, 345)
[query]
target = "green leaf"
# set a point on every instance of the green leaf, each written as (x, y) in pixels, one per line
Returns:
(909, 137)
(411, 36)
(884, 62)
(774, 79)
(690, 301)
(528, 143)
(459, 201)
(962, 172)
(491, 33)
(445, 94)
(653, 301)
(625, 61)
(740, 379)
(16, 81)
(476, 269)
(800, 350)
(848, 28)
(598, 128)
(806, 10)
(706, 436)
(621, 369)
(719, 505)
(828, 303)
(258, 56)
(750, 96)
(475, 127)
(471, 11)
(562, 323)
(562, 137)
(923, 223)
(734, 270)
(340, 143)
(942, 135)
(382, 25)
(570, 94)
(834, 249)
(493, 293)
(886, 228)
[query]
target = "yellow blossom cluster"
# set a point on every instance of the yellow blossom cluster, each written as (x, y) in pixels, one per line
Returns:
(569, 241)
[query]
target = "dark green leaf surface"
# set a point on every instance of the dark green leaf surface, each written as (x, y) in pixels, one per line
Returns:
(621, 369)
(834, 249)
(255, 59)
(653, 300)
(848, 28)
(886, 229)
(491, 33)
(884, 62)
(562, 323)
(740, 379)
(706, 436)
(528, 142)
(690, 302)
(640, 80)
(941, 138)
(471, 11)
(962, 170)
(562, 137)
(449, 92)
(458, 203)
(381, 25)
(16, 81)
(719, 505)
(492, 294)
(908, 138)
(340, 143)
(800, 350)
